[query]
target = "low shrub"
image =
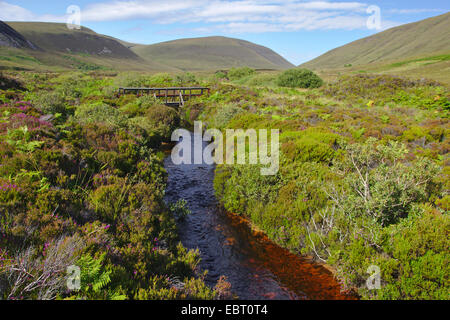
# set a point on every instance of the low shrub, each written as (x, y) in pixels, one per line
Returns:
(238, 73)
(299, 78)
(100, 113)
(9, 83)
(186, 79)
(164, 119)
(52, 103)
(224, 114)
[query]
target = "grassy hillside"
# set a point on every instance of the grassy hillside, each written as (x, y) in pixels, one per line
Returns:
(436, 67)
(212, 53)
(62, 48)
(86, 50)
(422, 39)
(20, 59)
(57, 37)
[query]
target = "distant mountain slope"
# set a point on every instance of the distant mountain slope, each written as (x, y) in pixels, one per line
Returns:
(62, 48)
(84, 49)
(11, 38)
(419, 39)
(212, 53)
(57, 37)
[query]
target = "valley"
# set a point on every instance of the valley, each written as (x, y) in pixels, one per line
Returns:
(87, 176)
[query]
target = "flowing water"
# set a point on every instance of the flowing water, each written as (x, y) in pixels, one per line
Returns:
(256, 267)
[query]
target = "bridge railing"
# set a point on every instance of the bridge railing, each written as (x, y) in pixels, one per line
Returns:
(181, 100)
(167, 92)
(170, 95)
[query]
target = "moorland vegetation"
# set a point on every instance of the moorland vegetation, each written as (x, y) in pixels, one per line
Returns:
(363, 180)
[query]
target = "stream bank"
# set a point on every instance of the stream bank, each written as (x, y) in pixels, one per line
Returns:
(256, 267)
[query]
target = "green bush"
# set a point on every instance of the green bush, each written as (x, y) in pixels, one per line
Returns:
(220, 75)
(52, 103)
(186, 79)
(419, 262)
(164, 119)
(224, 115)
(380, 185)
(311, 145)
(238, 73)
(242, 186)
(100, 113)
(161, 79)
(299, 78)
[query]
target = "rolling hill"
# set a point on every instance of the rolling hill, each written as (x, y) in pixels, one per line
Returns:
(86, 50)
(212, 53)
(425, 38)
(62, 48)
(57, 37)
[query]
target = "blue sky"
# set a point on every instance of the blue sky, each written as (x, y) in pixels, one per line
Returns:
(297, 29)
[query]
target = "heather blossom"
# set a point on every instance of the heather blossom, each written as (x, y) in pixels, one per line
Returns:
(9, 186)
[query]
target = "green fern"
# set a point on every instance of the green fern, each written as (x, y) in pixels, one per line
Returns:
(95, 279)
(92, 275)
(21, 139)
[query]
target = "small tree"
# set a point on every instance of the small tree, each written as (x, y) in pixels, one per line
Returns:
(380, 184)
(299, 78)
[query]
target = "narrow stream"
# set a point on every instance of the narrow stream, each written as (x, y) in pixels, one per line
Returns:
(256, 267)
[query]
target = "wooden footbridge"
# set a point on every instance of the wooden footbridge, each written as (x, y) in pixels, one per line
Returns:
(173, 97)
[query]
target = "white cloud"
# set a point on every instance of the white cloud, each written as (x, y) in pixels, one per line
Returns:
(125, 10)
(413, 11)
(324, 5)
(11, 12)
(233, 16)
